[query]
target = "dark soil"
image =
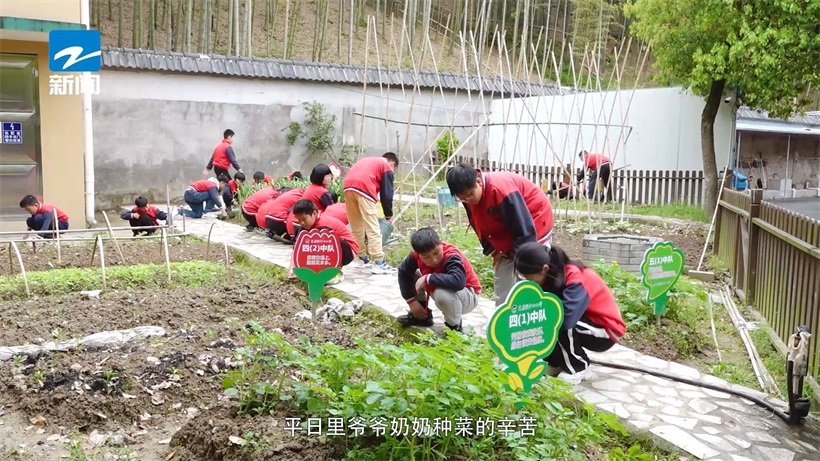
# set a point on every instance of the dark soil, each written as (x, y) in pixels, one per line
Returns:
(78, 254)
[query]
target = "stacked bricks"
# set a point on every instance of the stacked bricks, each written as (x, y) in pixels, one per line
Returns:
(626, 250)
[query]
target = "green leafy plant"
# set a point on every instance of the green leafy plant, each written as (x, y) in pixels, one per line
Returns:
(445, 146)
(317, 132)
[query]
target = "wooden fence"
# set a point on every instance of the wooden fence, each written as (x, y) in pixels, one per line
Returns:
(648, 187)
(774, 259)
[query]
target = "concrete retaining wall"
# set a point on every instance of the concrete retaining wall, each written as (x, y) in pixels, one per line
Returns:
(626, 250)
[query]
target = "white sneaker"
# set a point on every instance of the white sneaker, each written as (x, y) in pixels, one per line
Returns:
(336, 280)
(365, 262)
(575, 378)
(383, 268)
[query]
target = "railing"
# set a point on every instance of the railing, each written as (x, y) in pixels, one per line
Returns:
(646, 187)
(773, 257)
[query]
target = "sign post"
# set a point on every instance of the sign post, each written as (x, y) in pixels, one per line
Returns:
(317, 258)
(523, 331)
(662, 266)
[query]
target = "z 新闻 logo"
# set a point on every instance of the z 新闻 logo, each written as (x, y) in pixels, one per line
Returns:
(74, 51)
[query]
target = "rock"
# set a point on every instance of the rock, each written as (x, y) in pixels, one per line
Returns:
(152, 360)
(97, 439)
(76, 367)
(304, 315)
(237, 440)
(192, 412)
(91, 294)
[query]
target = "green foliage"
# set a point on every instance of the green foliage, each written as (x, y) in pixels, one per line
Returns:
(677, 210)
(767, 49)
(144, 276)
(317, 131)
(335, 186)
(247, 189)
(445, 146)
(425, 381)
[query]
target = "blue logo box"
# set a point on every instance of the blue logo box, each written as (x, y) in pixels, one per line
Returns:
(74, 51)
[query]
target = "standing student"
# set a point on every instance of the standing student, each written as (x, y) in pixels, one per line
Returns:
(250, 206)
(368, 181)
(309, 217)
(42, 217)
(207, 191)
(273, 213)
(223, 157)
(144, 215)
(597, 165)
(439, 271)
(229, 194)
(592, 320)
(261, 178)
(506, 210)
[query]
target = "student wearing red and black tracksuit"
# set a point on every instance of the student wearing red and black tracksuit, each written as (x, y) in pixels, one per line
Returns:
(261, 178)
(317, 191)
(437, 270)
(506, 211)
(273, 213)
(598, 165)
(250, 206)
(592, 320)
(42, 217)
(367, 181)
(309, 217)
(564, 191)
(223, 157)
(337, 210)
(144, 215)
(229, 193)
(204, 191)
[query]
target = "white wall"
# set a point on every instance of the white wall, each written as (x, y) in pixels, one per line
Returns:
(648, 129)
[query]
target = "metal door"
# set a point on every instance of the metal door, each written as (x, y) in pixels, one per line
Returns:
(20, 157)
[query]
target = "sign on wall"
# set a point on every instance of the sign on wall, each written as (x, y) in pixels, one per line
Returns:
(317, 258)
(523, 331)
(661, 268)
(12, 132)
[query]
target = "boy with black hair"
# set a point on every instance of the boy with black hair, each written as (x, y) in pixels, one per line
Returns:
(251, 205)
(505, 210)
(223, 157)
(439, 271)
(229, 193)
(294, 176)
(207, 191)
(260, 177)
(370, 180)
(273, 213)
(144, 215)
(42, 217)
(309, 217)
(598, 166)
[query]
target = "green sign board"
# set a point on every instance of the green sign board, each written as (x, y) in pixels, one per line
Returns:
(523, 331)
(662, 266)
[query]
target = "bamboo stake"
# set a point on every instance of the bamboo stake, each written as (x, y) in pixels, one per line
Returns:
(350, 35)
(340, 21)
(113, 237)
(22, 267)
(231, 13)
(167, 254)
(325, 14)
(189, 13)
(364, 86)
(56, 227)
(102, 259)
(119, 25)
(249, 27)
(236, 16)
(11, 261)
(208, 245)
(287, 25)
(152, 24)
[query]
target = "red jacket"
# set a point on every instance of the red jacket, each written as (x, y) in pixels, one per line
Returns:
(319, 195)
(337, 210)
(372, 177)
(49, 210)
(232, 185)
(152, 212)
(338, 228)
(279, 207)
(266, 180)
(223, 156)
(454, 272)
(512, 211)
(204, 185)
(593, 161)
(251, 204)
(586, 295)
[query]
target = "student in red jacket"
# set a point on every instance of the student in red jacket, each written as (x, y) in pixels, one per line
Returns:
(597, 165)
(144, 215)
(367, 181)
(437, 270)
(309, 217)
(592, 320)
(250, 206)
(337, 210)
(273, 213)
(317, 191)
(223, 157)
(565, 191)
(207, 191)
(42, 217)
(261, 178)
(506, 211)
(229, 194)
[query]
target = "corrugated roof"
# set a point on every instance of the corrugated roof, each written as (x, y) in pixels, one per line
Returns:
(167, 61)
(756, 114)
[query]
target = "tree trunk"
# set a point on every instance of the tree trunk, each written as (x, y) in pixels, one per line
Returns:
(707, 145)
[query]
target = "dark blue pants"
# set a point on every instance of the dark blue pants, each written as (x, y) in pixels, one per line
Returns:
(195, 200)
(593, 178)
(143, 221)
(43, 222)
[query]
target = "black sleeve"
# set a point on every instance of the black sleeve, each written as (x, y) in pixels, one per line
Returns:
(326, 199)
(407, 283)
(232, 157)
(386, 193)
(126, 215)
(454, 276)
(214, 193)
(162, 216)
(576, 301)
(517, 216)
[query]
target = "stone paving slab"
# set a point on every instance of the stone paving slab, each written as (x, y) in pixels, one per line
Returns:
(708, 424)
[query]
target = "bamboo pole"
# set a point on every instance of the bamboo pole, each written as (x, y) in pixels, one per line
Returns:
(340, 20)
(208, 245)
(364, 85)
(249, 27)
(350, 35)
(113, 237)
(99, 245)
(152, 24)
(236, 17)
(22, 267)
(11, 261)
(119, 25)
(164, 238)
(287, 25)
(231, 13)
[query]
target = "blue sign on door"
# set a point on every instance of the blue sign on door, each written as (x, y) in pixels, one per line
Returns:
(12, 133)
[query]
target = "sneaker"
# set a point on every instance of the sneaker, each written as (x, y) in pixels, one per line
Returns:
(336, 280)
(456, 328)
(410, 320)
(259, 230)
(250, 228)
(383, 268)
(575, 378)
(365, 262)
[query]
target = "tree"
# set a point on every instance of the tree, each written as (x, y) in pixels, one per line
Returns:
(766, 51)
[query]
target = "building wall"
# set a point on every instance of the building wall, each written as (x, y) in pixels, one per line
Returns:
(153, 129)
(647, 129)
(795, 158)
(47, 10)
(61, 137)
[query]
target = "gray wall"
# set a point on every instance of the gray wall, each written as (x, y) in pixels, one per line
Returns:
(154, 129)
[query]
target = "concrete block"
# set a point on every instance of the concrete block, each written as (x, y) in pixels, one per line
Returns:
(633, 268)
(597, 244)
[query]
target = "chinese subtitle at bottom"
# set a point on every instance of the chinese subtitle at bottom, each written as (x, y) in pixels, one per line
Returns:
(402, 427)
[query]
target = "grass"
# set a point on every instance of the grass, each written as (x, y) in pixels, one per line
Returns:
(774, 362)
(677, 210)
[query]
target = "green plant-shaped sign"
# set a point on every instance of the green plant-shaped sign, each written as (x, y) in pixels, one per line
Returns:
(523, 331)
(662, 266)
(317, 257)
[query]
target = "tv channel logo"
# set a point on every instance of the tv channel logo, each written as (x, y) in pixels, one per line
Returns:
(74, 51)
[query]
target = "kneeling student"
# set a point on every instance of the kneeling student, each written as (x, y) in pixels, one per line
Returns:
(437, 270)
(144, 215)
(42, 217)
(309, 217)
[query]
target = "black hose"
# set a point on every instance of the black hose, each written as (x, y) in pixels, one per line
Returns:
(777, 411)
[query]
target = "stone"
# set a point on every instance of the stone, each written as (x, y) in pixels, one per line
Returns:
(636, 409)
(640, 424)
(708, 418)
(683, 371)
(670, 411)
(656, 380)
(618, 396)
(638, 396)
(591, 396)
(711, 430)
(702, 406)
(716, 441)
(760, 437)
(740, 458)
(680, 438)
(672, 401)
(742, 443)
(655, 403)
(611, 384)
(693, 394)
(686, 423)
(617, 408)
(777, 454)
(643, 417)
(717, 394)
(664, 391)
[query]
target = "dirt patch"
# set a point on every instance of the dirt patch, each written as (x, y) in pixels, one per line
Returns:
(74, 254)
